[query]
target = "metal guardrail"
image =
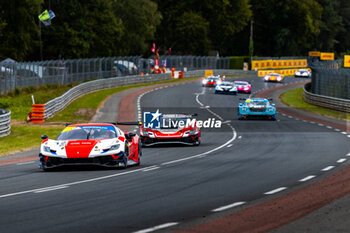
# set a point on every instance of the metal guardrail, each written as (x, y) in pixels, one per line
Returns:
(59, 103)
(5, 122)
(342, 105)
(23, 74)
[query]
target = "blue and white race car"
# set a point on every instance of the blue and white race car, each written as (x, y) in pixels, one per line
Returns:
(256, 107)
(226, 87)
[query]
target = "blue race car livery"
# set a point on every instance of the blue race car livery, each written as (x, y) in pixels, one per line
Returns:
(257, 107)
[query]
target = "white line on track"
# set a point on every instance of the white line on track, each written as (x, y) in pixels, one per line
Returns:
(151, 169)
(229, 145)
(348, 136)
(24, 163)
(348, 154)
(222, 208)
(338, 130)
(208, 152)
(51, 189)
(72, 183)
(344, 133)
(312, 122)
(341, 160)
(320, 124)
(307, 178)
(275, 191)
(329, 127)
(239, 137)
(327, 168)
(159, 227)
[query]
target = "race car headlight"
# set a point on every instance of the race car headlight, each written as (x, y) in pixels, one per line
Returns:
(204, 81)
(218, 88)
(193, 132)
(266, 78)
(47, 149)
(144, 133)
(114, 147)
(270, 109)
(246, 88)
(279, 78)
(219, 82)
(233, 89)
(244, 109)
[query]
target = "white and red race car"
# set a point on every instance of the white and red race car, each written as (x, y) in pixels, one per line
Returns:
(174, 128)
(100, 144)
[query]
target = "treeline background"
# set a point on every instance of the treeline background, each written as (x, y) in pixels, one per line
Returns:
(99, 28)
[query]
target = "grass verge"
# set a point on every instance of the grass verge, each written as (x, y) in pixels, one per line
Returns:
(294, 98)
(24, 136)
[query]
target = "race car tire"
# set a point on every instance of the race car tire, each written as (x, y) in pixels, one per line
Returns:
(274, 117)
(139, 153)
(126, 155)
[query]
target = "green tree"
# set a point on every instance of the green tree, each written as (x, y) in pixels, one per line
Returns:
(285, 28)
(140, 19)
(343, 36)
(225, 19)
(19, 27)
(192, 34)
(82, 28)
(331, 25)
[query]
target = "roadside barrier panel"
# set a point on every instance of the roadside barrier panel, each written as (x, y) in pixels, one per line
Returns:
(5, 122)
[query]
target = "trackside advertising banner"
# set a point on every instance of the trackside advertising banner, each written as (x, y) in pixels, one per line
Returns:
(279, 64)
(347, 61)
(314, 53)
(327, 56)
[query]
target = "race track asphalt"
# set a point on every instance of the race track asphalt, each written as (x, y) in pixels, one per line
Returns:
(178, 186)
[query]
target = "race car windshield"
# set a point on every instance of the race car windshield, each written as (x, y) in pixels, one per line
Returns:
(241, 84)
(226, 84)
(257, 104)
(86, 133)
(274, 75)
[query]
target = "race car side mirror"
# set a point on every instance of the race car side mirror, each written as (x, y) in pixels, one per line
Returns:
(273, 105)
(130, 135)
(240, 104)
(43, 137)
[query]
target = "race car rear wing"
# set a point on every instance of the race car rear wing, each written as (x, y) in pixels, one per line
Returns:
(127, 123)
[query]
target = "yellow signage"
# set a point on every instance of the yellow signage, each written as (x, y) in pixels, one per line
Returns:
(314, 53)
(346, 60)
(208, 73)
(279, 64)
(327, 56)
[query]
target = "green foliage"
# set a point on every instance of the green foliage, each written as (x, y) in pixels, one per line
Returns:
(192, 34)
(82, 29)
(225, 18)
(285, 28)
(18, 28)
(140, 19)
(237, 62)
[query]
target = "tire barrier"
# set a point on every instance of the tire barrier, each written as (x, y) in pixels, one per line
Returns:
(5, 122)
(342, 105)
